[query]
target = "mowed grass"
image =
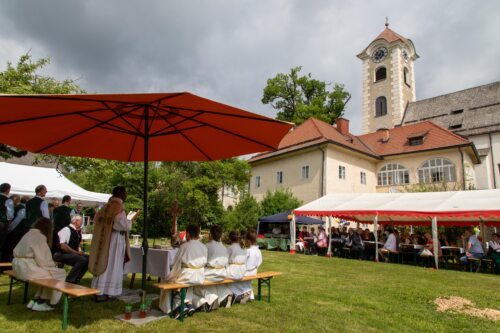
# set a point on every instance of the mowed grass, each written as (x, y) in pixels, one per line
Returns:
(315, 294)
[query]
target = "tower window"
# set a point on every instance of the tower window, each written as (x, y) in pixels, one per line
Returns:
(380, 106)
(380, 74)
(406, 76)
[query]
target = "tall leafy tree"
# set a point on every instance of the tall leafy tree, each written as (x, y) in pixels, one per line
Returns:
(23, 78)
(278, 201)
(298, 98)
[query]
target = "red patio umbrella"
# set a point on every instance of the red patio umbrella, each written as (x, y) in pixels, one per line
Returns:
(135, 128)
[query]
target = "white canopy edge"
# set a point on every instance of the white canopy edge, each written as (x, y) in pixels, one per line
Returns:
(24, 178)
(452, 206)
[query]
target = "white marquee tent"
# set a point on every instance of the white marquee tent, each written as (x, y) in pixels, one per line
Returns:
(23, 180)
(454, 208)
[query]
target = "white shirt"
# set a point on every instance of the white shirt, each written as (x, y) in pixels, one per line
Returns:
(494, 245)
(9, 204)
(21, 215)
(391, 243)
(254, 260)
(65, 234)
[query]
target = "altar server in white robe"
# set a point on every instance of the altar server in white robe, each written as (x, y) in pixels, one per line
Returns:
(237, 260)
(216, 270)
(110, 248)
(33, 260)
(188, 268)
(243, 290)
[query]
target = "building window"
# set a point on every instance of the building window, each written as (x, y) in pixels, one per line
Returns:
(305, 172)
(457, 111)
(393, 174)
(341, 172)
(437, 170)
(257, 181)
(406, 76)
(363, 177)
(380, 106)
(380, 74)
(279, 177)
(416, 141)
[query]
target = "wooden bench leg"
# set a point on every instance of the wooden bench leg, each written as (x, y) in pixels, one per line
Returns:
(132, 280)
(10, 291)
(65, 312)
(25, 296)
(183, 298)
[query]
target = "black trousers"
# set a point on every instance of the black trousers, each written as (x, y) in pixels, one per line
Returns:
(80, 265)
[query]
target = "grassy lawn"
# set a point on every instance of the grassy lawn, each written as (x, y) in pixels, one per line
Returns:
(316, 294)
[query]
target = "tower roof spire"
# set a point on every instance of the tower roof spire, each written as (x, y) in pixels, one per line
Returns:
(386, 21)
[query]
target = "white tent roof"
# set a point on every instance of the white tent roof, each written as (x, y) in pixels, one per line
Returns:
(23, 179)
(457, 208)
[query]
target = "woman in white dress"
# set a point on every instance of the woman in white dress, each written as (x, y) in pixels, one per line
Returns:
(33, 260)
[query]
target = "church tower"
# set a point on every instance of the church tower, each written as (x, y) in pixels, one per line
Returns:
(388, 80)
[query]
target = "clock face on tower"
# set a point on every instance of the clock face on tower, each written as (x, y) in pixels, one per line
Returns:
(379, 54)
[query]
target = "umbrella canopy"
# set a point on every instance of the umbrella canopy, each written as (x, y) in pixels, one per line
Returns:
(177, 127)
(135, 127)
(285, 217)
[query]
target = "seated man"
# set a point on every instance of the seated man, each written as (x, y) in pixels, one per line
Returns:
(216, 270)
(69, 253)
(243, 290)
(188, 268)
(302, 242)
(358, 247)
(474, 248)
(391, 245)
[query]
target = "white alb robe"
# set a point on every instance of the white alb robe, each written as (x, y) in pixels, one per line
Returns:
(237, 259)
(33, 260)
(188, 268)
(254, 260)
(111, 281)
(215, 270)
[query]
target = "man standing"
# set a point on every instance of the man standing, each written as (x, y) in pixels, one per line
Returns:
(110, 247)
(78, 210)
(37, 207)
(62, 214)
(357, 245)
(17, 228)
(69, 252)
(6, 213)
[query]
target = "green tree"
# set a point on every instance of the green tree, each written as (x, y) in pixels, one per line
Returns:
(244, 215)
(298, 98)
(23, 79)
(278, 201)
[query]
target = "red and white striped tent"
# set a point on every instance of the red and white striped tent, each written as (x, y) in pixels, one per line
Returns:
(453, 208)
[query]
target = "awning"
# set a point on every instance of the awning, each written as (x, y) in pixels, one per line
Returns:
(24, 178)
(454, 208)
(284, 218)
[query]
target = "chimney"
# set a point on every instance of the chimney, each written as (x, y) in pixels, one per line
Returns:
(385, 135)
(342, 126)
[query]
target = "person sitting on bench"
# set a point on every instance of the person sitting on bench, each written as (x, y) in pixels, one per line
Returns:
(188, 268)
(211, 297)
(33, 260)
(69, 253)
(243, 290)
(237, 261)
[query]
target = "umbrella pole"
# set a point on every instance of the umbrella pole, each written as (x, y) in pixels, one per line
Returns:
(145, 245)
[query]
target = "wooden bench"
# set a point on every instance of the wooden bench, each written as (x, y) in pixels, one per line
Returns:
(67, 289)
(5, 265)
(263, 278)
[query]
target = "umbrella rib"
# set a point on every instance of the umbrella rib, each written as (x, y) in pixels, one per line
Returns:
(177, 123)
(111, 127)
(10, 122)
(122, 118)
(80, 132)
(177, 131)
(261, 118)
(183, 135)
(230, 132)
(134, 142)
(81, 99)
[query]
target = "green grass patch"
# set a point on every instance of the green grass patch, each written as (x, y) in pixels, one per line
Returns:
(315, 294)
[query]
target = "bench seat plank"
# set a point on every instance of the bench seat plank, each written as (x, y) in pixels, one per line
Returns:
(178, 286)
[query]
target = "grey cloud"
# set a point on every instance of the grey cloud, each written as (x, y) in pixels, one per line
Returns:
(226, 50)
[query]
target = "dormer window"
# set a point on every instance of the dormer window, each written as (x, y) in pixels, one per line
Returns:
(380, 74)
(416, 141)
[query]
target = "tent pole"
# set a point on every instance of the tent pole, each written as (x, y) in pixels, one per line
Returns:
(292, 234)
(328, 233)
(435, 241)
(482, 231)
(375, 227)
(145, 245)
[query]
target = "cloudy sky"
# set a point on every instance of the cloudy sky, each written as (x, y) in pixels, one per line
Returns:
(227, 49)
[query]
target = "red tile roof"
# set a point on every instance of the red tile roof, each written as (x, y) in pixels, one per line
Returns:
(435, 137)
(390, 36)
(313, 132)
